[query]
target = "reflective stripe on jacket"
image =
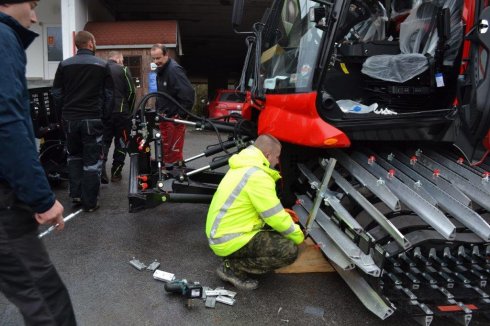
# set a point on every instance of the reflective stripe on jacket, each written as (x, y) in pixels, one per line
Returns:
(244, 202)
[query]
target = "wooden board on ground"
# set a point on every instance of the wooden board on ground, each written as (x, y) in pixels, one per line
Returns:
(310, 260)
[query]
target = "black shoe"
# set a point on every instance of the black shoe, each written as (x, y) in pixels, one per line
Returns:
(116, 177)
(116, 173)
(239, 279)
(76, 201)
(91, 210)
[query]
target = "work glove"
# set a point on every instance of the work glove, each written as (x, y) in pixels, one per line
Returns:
(293, 215)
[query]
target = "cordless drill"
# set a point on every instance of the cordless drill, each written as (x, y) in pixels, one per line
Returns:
(189, 290)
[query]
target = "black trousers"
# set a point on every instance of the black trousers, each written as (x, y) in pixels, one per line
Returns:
(117, 128)
(27, 276)
(84, 146)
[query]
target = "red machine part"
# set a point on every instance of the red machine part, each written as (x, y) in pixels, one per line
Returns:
(391, 174)
(299, 122)
(413, 160)
(469, 19)
(486, 141)
(371, 159)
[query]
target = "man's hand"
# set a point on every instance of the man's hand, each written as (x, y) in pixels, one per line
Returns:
(54, 215)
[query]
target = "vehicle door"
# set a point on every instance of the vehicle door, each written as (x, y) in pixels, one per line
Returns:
(475, 114)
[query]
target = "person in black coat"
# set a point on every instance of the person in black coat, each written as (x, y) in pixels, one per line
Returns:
(27, 276)
(172, 80)
(82, 91)
(119, 124)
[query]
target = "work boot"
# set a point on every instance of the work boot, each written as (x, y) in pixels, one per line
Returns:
(252, 270)
(239, 279)
(91, 209)
(76, 202)
(116, 174)
(104, 179)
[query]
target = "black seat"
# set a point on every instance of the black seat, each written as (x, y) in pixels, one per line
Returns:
(430, 41)
(418, 43)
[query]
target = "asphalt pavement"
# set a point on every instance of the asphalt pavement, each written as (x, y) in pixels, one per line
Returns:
(92, 256)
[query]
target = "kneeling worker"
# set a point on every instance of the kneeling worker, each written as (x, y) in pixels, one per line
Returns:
(243, 204)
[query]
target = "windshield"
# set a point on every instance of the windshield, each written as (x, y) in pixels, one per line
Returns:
(289, 59)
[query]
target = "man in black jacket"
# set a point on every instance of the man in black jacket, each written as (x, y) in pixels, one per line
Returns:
(171, 79)
(27, 276)
(119, 123)
(82, 89)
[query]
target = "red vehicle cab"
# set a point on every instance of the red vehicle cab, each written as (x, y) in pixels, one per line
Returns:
(226, 102)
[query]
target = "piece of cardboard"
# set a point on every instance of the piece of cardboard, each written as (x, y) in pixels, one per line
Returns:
(310, 260)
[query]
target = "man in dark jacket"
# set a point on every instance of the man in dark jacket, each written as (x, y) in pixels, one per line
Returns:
(171, 79)
(27, 276)
(119, 123)
(82, 89)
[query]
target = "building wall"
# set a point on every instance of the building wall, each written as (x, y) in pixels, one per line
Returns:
(75, 15)
(48, 14)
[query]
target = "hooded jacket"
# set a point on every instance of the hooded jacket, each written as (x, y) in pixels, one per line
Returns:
(21, 173)
(244, 202)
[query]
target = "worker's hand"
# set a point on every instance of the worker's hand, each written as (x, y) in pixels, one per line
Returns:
(293, 215)
(54, 215)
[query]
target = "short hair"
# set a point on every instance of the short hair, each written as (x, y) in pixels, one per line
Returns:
(266, 142)
(161, 47)
(82, 38)
(114, 55)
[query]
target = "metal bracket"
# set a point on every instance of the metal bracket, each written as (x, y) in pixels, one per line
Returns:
(320, 194)
(153, 266)
(137, 264)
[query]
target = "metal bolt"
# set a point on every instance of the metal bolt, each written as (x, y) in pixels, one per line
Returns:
(413, 160)
(485, 177)
(417, 185)
(371, 159)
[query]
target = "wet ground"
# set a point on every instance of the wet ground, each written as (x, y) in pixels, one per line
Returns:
(92, 256)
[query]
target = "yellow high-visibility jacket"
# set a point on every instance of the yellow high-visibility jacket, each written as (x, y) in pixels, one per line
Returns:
(244, 202)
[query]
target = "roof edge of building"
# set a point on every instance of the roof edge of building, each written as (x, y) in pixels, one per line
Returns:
(133, 46)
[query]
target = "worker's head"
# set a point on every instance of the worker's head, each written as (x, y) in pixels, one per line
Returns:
(85, 40)
(159, 54)
(22, 11)
(117, 57)
(270, 147)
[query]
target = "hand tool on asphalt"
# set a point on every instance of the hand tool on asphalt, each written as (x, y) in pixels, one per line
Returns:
(53, 227)
(189, 290)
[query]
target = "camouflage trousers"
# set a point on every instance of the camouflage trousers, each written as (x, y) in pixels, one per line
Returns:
(267, 251)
